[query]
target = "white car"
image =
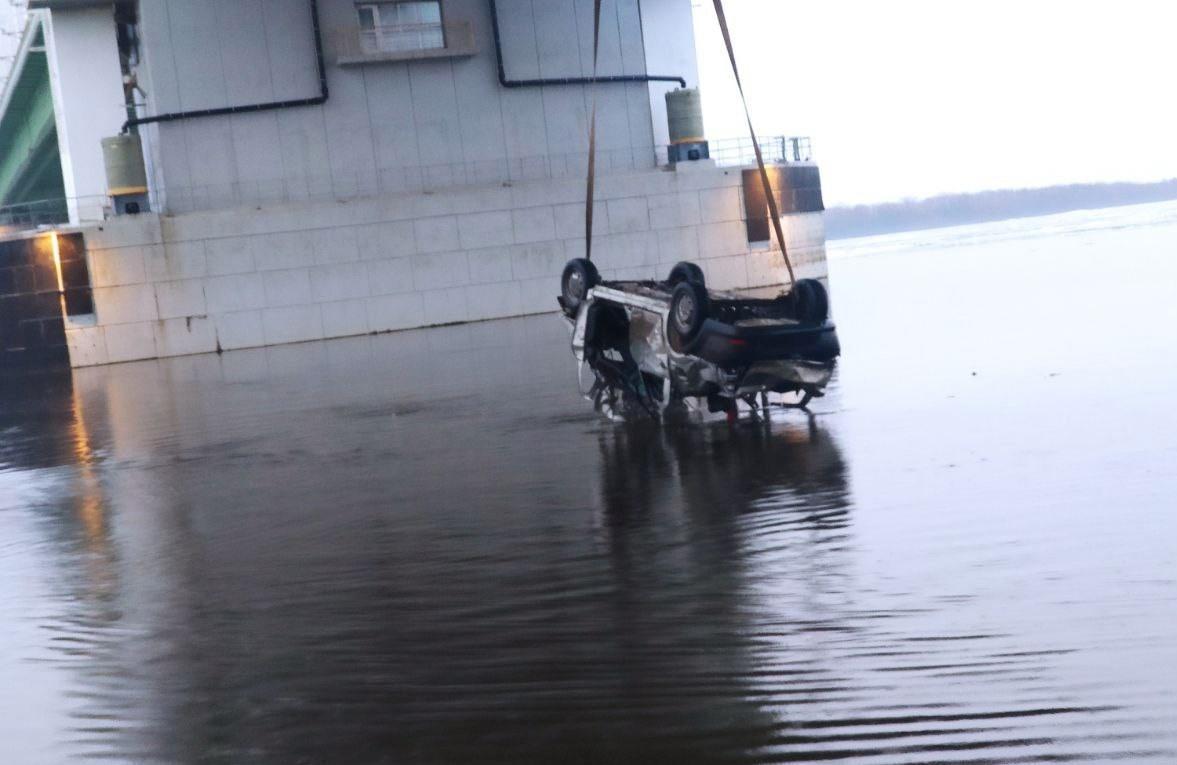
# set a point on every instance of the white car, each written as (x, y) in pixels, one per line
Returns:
(657, 343)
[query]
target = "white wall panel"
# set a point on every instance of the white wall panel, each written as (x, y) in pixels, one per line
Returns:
(565, 108)
(522, 109)
(172, 153)
(387, 126)
(479, 111)
(613, 122)
(244, 51)
(290, 48)
(158, 78)
(435, 112)
(87, 92)
(212, 159)
(641, 129)
(349, 146)
(609, 60)
(394, 132)
(257, 152)
(557, 39)
(517, 27)
(633, 49)
(196, 49)
(302, 134)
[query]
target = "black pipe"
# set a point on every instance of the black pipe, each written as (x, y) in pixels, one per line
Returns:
(249, 108)
(508, 83)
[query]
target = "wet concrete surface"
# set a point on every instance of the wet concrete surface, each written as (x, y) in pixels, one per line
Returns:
(425, 548)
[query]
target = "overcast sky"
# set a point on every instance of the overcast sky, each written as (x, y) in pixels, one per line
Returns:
(911, 98)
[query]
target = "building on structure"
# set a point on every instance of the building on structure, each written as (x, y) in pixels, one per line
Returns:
(340, 167)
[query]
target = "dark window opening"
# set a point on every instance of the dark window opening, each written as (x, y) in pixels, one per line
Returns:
(756, 208)
(75, 275)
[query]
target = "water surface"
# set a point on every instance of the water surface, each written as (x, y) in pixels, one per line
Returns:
(425, 548)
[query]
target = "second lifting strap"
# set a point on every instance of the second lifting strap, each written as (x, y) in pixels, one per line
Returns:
(592, 153)
(590, 190)
(773, 207)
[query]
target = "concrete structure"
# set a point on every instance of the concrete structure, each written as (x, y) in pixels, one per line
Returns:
(423, 188)
(12, 25)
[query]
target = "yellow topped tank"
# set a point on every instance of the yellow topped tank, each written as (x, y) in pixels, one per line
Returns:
(684, 113)
(125, 172)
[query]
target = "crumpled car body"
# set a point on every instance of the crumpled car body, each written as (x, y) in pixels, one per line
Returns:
(746, 349)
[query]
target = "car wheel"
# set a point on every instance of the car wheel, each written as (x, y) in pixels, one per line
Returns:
(688, 310)
(811, 302)
(579, 277)
(686, 272)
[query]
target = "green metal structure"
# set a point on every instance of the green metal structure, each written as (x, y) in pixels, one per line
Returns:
(32, 191)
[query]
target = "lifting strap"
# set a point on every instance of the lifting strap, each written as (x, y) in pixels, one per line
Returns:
(773, 208)
(592, 153)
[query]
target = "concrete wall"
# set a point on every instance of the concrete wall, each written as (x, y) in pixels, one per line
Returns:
(194, 283)
(388, 126)
(87, 84)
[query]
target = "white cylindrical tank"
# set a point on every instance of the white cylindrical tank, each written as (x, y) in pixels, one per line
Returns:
(125, 171)
(684, 112)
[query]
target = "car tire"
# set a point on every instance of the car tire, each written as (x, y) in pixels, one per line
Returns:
(686, 272)
(811, 302)
(580, 276)
(689, 306)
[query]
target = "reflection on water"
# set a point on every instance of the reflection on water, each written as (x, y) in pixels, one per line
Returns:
(425, 548)
(393, 586)
(52, 616)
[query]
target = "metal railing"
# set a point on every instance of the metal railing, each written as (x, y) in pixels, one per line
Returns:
(341, 187)
(737, 152)
(29, 215)
(353, 45)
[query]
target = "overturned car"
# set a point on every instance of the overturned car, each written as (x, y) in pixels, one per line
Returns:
(652, 345)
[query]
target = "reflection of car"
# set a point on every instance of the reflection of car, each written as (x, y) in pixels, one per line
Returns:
(657, 343)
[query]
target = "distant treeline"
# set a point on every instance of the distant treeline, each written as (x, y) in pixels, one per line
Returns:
(960, 209)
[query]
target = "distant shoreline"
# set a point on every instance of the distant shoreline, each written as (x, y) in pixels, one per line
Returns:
(989, 206)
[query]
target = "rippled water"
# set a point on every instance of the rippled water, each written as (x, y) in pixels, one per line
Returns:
(424, 548)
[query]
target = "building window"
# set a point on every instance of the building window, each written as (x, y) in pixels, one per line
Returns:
(396, 26)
